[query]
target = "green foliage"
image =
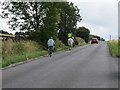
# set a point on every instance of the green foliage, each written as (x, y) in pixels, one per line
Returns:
(7, 48)
(59, 45)
(42, 20)
(95, 36)
(23, 15)
(79, 41)
(83, 33)
(39, 19)
(21, 57)
(13, 52)
(102, 39)
(50, 22)
(0, 53)
(69, 18)
(4, 32)
(19, 33)
(114, 48)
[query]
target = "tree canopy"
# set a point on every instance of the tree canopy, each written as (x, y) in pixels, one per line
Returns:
(83, 33)
(42, 19)
(69, 17)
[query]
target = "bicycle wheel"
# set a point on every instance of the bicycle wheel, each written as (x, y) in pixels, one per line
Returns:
(50, 50)
(50, 53)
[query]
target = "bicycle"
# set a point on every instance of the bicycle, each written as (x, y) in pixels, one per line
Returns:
(50, 51)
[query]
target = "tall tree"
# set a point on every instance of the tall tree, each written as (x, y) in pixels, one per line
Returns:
(83, 33)
(50, 22)
(69, 18)
(23, 15)
(40, 19)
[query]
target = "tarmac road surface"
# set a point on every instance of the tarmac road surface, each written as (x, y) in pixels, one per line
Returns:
(89, 66)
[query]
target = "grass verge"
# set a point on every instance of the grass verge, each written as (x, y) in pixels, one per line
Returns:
(16, 52)
(114, 48)
(23, 57)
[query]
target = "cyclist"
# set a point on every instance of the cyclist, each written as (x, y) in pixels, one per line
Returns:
(51, 44)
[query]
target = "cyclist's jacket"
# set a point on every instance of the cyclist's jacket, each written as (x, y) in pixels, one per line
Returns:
(51, 42)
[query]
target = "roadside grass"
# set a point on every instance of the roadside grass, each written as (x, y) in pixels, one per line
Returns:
(16, 52)
(114, 46)
(60, 46)
(23, 57)
(0, 54)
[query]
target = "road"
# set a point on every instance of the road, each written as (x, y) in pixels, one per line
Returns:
(89, 66)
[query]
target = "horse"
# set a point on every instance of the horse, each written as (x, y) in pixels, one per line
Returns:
(70, 43)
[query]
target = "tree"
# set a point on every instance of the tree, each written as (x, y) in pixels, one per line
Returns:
(83, 33)
(4, 32)
(102, 39)
(50, 22)
(42, 20)
(39, 19)
(69, 17)
(96, 36)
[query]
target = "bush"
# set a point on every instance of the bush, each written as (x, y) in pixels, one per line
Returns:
(83, 33)
(59, 45)
(79, 41)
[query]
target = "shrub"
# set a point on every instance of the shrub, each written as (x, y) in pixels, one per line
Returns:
(59, 45)
(79, 41)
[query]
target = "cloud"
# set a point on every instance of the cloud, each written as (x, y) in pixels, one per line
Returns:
(100, 17)
(4, 26)
(99, 13)
(101, 31)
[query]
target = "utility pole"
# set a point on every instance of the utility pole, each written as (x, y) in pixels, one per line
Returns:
(110, 37)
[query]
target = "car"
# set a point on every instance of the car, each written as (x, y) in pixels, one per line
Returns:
(94, 41)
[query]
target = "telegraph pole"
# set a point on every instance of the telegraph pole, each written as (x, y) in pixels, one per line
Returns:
(110, 37)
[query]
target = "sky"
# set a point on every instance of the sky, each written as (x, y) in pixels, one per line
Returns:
(99, 16)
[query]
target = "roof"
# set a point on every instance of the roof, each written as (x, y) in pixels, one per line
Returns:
(6, 35)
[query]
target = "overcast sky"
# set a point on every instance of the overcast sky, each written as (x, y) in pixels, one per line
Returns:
(99, 16)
